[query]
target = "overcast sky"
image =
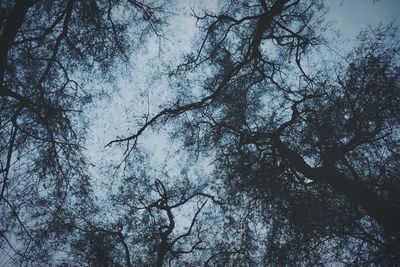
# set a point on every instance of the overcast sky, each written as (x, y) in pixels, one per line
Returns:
(353, 15)
(144, 85)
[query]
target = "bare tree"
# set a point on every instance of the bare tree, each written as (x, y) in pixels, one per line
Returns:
(305, 158)
(317, 145)
(164, 225)
(49, 49)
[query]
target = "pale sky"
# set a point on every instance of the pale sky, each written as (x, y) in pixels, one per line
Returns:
(351, 16)
(119, 116)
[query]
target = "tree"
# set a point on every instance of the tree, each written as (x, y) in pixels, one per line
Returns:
(316, 147)
(303, 153)
(162, 237)
(152, 224)
(48, 51)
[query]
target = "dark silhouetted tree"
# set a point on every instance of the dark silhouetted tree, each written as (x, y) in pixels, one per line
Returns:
(313, 144)
(48, 51)
(304, 151)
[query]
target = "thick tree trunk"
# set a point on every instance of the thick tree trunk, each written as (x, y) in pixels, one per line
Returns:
(385, 214)
(162, 251)
(9, 32)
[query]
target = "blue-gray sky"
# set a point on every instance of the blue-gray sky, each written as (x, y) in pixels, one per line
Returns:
(142, 92)
(353, 15)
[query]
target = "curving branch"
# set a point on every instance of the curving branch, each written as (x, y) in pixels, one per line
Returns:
(253, 53)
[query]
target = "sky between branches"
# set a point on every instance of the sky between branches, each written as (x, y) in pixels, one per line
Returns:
(143, 89)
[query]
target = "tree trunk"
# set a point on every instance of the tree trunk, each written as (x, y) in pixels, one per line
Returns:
(162, 251)
(11, 27)
(385, 214)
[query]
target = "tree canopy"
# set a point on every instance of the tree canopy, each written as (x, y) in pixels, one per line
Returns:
(301, 144)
